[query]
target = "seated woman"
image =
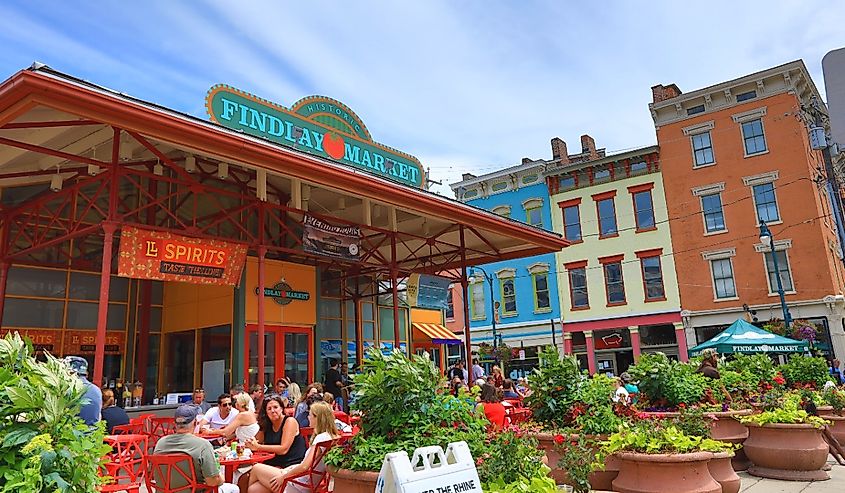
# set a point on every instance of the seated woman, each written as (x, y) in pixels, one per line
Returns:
(112, 414)
(279, 434)
(265, 479)
(245, 425)
(509, 391)
(491, 406)
(302, 404)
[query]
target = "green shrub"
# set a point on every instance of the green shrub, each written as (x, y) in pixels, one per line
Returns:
(754, 368)
(554, 384)
(44, 445)
(684, 385)
(596, 395)
(652, 372)
(803, 370)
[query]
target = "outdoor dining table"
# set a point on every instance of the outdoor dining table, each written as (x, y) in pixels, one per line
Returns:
(229, 465)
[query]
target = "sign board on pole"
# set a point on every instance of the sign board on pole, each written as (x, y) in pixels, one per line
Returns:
(425, 291)
(430, 471)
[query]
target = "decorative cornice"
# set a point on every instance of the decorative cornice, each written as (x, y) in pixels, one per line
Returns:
(708, 189)
(719, 254)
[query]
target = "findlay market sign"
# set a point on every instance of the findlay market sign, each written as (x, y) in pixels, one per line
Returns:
(316, 124)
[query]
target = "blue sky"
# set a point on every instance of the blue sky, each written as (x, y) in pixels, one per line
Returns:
(463, 85)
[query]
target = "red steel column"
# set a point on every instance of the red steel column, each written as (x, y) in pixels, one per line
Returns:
(465, 295)
(567, 342)
(635, 341)
(262, 251)
(681, 336)
(394, 273)
(103, 308)
(591, 351)
(4, 276)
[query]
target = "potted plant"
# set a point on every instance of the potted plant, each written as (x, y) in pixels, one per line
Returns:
(513, 463)
(44, 445)
(835, 399)
(805, 371)
(786, 443)
(404, 406)
(653, 454)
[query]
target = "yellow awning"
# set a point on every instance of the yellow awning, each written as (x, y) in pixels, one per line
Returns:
(439, 334)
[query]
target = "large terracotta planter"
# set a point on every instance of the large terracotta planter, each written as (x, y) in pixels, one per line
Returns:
(837, 425)
(721, 470)
(348, 481)
(725, 426)
(660, 473)
(599, 480)
(790, 452)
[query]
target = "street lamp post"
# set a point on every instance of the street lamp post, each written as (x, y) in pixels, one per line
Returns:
(489, 279)
(767, 239)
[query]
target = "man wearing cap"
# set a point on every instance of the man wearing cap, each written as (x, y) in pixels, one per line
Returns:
(92, 401)
(202, 453)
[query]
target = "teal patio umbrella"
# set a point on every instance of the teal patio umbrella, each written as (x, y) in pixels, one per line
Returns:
(742, 337)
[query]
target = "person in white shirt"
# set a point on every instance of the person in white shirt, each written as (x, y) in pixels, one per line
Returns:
(477, 370)
(238, 389)
(220, 416)
(621, 395)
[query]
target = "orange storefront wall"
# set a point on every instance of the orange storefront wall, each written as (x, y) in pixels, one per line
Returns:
(814, 272)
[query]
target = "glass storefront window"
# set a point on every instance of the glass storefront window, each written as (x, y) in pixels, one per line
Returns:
(19, 312)
(657, 335)
(179, 362)
(82, 315)
(47, 283)
(216, 346)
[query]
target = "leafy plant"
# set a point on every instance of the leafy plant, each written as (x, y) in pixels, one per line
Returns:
(44, 445)
(782, 415)
(803, 370)
(598, 416)
(684, 385)
(576, 458)
(653, 437)
(834, 397)
(554, 384)
(652, 372)
(509, 459)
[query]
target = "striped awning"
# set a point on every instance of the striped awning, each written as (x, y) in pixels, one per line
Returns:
(439, 334)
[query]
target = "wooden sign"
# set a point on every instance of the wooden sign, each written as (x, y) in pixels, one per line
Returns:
(170, 257)
(42, 340)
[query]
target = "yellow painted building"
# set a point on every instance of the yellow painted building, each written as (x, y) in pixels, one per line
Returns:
(618, 285)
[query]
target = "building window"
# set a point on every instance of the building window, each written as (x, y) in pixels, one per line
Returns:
(567, 182)
(638, 167)
(502, 210)
(613, 283)
(723, 278)
(572, 223)
(541, 292)
(450, 305)
(765, 202)
(535, 216)
(499, 187)
(644, 210)
(607, 217)
(714, 219)
(783, 268)
(702, 149)
(601, 175)
(578, 287)
(745, 96)
(695, 110)
(476, 297)
(752, 134)
(652, 278)
(508, 296)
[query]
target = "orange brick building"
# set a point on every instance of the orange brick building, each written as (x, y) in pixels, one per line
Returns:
(735, 154)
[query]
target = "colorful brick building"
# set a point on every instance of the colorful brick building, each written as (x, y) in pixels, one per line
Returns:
(732, 155)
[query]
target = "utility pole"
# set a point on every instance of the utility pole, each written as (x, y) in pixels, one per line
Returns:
(820, 140)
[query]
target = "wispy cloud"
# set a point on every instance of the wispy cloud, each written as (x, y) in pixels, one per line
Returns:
(466, 86)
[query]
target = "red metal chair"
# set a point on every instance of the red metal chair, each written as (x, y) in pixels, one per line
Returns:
(306, 432)
(125, 464)
(314, 479)
(130, 429)
(342, 416)
(159, 427)
(173, 473)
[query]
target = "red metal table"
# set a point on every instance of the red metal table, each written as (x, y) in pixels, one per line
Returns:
(229, 465)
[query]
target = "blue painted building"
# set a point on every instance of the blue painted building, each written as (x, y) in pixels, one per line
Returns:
(525, 289)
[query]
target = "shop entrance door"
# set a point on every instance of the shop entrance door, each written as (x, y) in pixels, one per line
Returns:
(289, 352)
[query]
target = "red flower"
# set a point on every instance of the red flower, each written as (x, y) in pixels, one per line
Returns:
(559, 439)
(779, 379)
(682, 406)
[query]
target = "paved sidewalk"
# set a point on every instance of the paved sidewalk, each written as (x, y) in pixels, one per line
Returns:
(836, 483)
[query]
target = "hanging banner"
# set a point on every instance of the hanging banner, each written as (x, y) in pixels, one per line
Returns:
(170, 257)
(425, 291)
(78, 342)
(42, 340)
(323, 238)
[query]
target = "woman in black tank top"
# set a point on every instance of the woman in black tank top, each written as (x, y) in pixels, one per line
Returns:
(271, 436)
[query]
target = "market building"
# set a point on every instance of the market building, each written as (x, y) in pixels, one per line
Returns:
(618, 291)
(181, 252)
(736, 154)
(524, 291)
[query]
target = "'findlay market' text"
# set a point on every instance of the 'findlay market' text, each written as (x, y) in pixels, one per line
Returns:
(276, 127)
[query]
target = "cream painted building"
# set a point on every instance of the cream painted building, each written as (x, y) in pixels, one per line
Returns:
(617, 282)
